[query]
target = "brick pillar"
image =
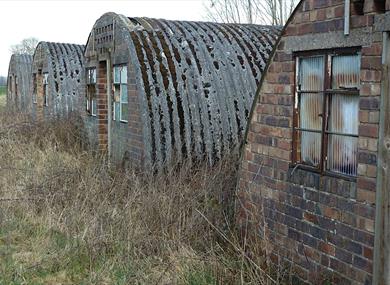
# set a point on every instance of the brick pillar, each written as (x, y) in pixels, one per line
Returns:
(39, 107)
(102, 110)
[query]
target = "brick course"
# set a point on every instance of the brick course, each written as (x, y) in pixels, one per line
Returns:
(319, 224)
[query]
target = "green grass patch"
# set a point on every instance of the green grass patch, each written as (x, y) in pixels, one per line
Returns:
(3, 90)
(40, 255)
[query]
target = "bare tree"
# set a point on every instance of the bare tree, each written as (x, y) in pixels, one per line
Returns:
(275, 12)
(26, 46)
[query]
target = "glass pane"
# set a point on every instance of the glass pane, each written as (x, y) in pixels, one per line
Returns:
(344, 119)
(93, 106)
(124, 93)
(346, 71)
(311, 78)
(93, 76)
(124, 112)
(117, 78)
(117, 93)
(117, 111)
(124, 74)
(87, 103)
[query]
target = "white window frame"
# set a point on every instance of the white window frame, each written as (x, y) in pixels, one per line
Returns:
(91, 105)
(45, 87)
(118, 85)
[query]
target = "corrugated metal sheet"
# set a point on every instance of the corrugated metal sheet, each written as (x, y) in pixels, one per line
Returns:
(311, 78)
(198, 81)
(345, 71)
(344, 115)
(19, 82)
(64, 64)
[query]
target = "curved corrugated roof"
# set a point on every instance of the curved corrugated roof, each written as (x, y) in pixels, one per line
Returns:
(65, 66)
(199, 80)
(20, 66)
(196, 80)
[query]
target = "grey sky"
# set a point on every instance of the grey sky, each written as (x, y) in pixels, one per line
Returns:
(71, 21)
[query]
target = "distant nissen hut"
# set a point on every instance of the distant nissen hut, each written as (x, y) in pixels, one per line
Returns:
(58, 78)
(19, 82)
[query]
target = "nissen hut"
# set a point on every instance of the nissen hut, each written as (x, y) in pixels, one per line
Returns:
(316, 158)
(19, 82)
(160, 91)
(58, 80)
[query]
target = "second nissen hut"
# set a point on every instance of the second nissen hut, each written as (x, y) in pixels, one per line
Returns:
(58, 79)
(161, 90)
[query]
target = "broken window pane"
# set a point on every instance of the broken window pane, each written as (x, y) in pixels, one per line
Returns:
(311, 78)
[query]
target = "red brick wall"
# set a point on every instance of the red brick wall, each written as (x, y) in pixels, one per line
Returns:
(136, 143)
(102, 107)
(323, 226)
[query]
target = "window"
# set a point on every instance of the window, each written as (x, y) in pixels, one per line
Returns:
(10, 84)
(120, 104)
(16, 86)
(45, 90)
(91, 92)
(326, 112)
(34, 92)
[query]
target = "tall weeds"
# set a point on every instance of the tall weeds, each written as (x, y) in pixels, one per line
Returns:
(119, 226)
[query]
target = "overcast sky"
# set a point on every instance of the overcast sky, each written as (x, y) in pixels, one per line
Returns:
(71, 21)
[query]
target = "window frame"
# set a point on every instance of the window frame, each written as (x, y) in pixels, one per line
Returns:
(118, 86)
(45, 88)
(327, 91)
(91, 99)
(34, 92)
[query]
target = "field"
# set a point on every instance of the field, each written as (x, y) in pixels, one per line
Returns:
(3, 90)
(66, 217)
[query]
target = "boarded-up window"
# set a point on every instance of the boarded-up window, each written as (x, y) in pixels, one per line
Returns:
(327, 106)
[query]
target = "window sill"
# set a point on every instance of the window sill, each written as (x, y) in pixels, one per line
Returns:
(294, 166)
(123, 121)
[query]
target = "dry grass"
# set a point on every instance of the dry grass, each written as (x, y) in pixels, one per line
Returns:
(68, 218)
